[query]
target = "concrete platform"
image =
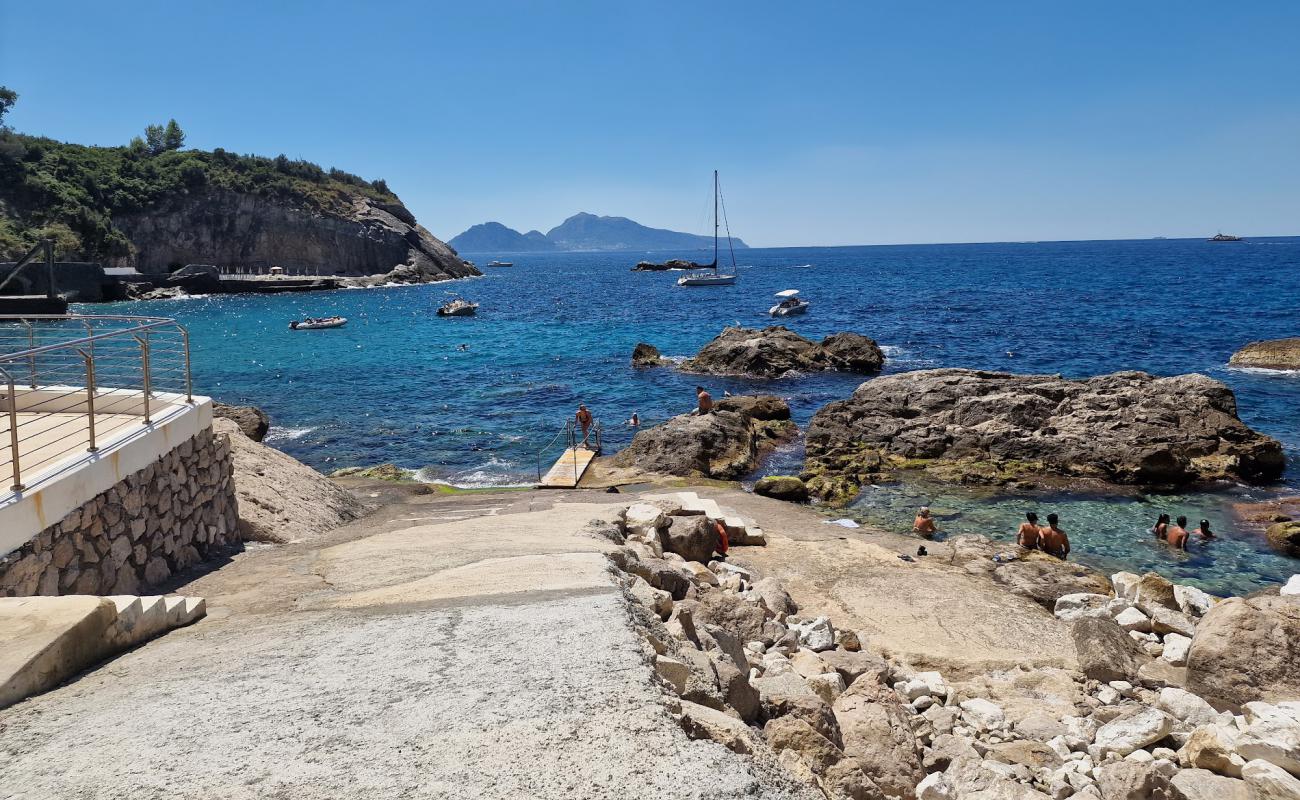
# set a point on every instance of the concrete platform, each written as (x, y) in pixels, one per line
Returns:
(45, 440)
(46, 640)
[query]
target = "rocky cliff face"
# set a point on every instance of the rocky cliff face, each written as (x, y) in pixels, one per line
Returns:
(233, 229)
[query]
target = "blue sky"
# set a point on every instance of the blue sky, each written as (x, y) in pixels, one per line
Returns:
(832, 123)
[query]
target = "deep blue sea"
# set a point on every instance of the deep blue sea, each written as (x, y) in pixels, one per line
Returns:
(558, 329)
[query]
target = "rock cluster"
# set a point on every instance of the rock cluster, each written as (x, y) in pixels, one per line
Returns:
(749, 672)
(647, 355)
(252, 421)
(970, 426)
(726, 444)
(1269, 354)
(776, 351)
(672, 263)
(174, 513)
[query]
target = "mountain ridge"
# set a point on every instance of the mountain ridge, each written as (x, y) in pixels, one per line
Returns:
(581, 232)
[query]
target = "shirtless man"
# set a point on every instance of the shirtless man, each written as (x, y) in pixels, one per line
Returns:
(1027, 536)
(1161, 529)
(924, 523)
(1205, 531)
(1178, 535)
(704, 399)
(1053, 540)
(583, 418)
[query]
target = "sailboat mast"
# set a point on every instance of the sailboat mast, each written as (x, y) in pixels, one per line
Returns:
(715, 220)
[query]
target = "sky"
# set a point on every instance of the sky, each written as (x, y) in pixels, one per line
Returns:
(831, 123)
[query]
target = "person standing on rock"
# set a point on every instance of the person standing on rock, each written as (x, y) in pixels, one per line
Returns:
(583, 418)
(924, 523)
(1027, 536)
(704, 401)
(1161, 529)
(1178, 535)
(1052, 539)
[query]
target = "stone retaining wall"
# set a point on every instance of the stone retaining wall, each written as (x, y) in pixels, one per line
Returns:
(176, 512)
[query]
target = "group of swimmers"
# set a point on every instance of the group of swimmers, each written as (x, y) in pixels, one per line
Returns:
(1177, 534)
(1049, 538)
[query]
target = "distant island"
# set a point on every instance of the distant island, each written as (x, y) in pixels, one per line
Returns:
(581, 231)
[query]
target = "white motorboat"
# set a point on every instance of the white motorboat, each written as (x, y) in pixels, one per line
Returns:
(501, 263)
(791, 303)
(458, 307)
(317, 324)
(709, 275)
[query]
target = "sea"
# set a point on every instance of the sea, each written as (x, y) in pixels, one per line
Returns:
(474, 402)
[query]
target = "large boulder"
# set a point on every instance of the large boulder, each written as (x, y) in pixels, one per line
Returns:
(1269, 354)
(1247, 649)
(252, 420)
(646, 355)
(726, 444)
(970, 426)
(782, 487)
(776, 351)
(1284, 537)
(1106, 652)
(875, 728)
(282, 499)
(693, 538)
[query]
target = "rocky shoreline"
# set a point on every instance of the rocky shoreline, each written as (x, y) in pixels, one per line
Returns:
(748, 671)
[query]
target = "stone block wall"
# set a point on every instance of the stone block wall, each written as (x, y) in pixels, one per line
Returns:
(176, 512)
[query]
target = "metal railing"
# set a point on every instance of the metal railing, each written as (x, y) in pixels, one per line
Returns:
(570, 435)
(67, 379)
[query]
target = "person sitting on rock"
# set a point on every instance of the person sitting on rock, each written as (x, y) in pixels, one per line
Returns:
(1052, 539)
(704, 400)
(1027, 536)
(1178, 535)
(1205, 531)
(924, 523)
(1161, 529)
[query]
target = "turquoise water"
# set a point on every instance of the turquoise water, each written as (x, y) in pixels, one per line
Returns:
(558, 329)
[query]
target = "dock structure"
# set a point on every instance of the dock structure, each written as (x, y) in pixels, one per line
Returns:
(568, 469)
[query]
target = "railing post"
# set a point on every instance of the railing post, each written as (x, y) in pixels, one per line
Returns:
(90, 398)
(13, 431)
(31, 345)
(144, 365)
(189, 382)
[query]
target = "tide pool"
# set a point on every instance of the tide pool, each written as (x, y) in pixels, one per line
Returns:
(558, 329)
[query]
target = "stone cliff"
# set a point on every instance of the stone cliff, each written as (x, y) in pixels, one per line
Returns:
(234, 229)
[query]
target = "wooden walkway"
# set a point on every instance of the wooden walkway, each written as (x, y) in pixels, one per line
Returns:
(568, 468)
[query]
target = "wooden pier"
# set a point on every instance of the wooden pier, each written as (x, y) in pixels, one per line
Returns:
(568, 469)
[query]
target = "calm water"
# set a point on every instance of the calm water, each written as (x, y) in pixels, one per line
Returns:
(558, 329)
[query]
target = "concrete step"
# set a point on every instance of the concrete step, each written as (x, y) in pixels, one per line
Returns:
(46, 640)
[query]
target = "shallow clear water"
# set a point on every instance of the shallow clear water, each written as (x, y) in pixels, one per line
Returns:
(558, 329)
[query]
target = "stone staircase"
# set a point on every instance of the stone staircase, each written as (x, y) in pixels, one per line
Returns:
(46, 640)
(740, 531)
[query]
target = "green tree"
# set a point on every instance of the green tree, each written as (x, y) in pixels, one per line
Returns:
(7, 99)
(173, 136)
(155, 139)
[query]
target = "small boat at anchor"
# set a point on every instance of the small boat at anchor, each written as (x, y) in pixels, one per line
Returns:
(1224, 237)
(791, 303)
(317, 323)
(501, 263)
(457, 307)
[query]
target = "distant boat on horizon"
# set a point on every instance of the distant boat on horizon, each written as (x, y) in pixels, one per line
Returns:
(1224, 237)
(501, 263)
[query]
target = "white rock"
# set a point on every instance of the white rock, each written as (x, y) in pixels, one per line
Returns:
(1123, 687)
(1108, 696)
(935, 685)
(1126, 584)
(757, 648)
(1140, 757)
(922, 703)
(1176, 647)
(1192, 601)
(1164, 753)
(728, 568)
(1118, 604)
(1154, 649)
(1273, 734)
(816, 635)
(642, 518)
(1269, 782)
(1077, 606)
(1080, 729)
(982, 714)
(1165, 621)
(1186, 707)
(1292, 585)
(775, 663)
(1130, 619)
(675, 673)
(1060, 746)
(828, 686)
(935, 787)
(1126, 734)
(1142, 637)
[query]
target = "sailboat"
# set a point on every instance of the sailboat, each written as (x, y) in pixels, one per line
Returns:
(709, 275)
